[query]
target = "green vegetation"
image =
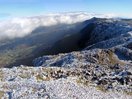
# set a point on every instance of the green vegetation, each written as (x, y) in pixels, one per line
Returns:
(9, 57)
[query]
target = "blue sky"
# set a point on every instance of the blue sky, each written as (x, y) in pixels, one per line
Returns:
(19, 8)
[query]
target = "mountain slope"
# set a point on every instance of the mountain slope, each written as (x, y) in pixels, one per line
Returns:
(23, 50)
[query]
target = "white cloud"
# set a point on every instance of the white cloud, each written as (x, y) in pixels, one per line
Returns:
(20, 27)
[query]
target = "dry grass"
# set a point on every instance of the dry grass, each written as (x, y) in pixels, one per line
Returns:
(101, 88)
(1, 94)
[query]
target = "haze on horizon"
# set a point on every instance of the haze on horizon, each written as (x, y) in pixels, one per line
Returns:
(20, 8)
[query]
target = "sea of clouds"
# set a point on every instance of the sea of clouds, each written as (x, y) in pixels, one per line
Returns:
(20, 27)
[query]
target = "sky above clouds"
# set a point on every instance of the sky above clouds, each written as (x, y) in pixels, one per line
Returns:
(19, 8)
(80, 10)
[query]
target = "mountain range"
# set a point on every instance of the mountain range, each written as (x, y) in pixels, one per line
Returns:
(67, 56)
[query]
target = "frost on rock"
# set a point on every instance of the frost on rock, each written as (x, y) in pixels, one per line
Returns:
(63, 83)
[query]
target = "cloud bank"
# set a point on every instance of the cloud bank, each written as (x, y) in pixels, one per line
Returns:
(20, 27)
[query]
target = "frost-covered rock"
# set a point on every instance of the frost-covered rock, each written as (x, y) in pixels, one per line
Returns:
(81, 58)
(62, 83)
(102, 33)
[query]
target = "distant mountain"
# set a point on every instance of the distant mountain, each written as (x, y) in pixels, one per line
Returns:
(101, 42)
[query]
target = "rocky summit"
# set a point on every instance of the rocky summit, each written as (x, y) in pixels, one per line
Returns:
(97, 65)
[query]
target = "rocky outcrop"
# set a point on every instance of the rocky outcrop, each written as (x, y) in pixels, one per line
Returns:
(96, 56)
